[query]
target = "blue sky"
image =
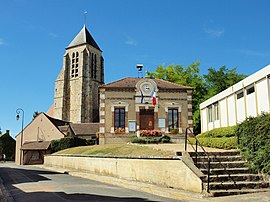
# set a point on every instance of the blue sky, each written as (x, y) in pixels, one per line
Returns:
(34, 34)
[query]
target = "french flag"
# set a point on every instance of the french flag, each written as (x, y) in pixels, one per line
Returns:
(153, 96)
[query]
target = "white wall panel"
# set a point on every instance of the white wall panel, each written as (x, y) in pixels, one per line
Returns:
(231, 110)
(262, 96)
(240, 109)
(223, 113)
(204, 120)
(251, 105)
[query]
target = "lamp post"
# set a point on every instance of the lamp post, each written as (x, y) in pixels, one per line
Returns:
(18, 111)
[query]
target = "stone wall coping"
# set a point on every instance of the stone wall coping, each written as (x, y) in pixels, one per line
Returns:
(120, 157)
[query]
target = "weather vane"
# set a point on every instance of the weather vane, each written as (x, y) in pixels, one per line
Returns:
(84, 13)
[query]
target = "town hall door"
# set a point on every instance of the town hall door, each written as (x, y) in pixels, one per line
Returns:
(146, 119)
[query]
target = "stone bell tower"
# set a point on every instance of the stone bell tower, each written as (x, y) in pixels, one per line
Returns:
(76, 87)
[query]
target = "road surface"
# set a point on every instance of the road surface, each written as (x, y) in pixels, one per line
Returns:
(28, 183)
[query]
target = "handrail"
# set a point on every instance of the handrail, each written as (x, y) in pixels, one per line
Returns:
(206, 154)
(197, 154)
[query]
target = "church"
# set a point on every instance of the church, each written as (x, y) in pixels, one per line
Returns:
(85, 106)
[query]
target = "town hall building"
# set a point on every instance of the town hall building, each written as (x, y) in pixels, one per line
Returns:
(86, 107)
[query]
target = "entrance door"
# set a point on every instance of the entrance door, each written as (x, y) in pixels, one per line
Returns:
(146, 119)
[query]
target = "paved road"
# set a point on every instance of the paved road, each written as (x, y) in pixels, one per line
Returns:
(27, 183)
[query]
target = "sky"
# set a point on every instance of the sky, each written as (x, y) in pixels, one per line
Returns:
(35, 33)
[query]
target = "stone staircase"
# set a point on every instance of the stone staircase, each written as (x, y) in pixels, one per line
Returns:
(228, 174)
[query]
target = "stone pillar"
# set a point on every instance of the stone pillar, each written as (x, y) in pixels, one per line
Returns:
(102, 111)
(189, 104)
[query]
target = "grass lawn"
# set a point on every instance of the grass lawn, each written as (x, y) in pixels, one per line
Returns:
(118, 150)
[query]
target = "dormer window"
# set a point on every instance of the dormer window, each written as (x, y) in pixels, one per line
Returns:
(75, 65)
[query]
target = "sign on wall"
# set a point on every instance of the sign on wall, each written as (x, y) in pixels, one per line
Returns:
(161, 123)
(131, 126)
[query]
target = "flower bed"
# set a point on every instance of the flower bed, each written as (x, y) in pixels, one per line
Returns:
(150, 133)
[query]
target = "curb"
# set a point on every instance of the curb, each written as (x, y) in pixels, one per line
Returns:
(133, 185)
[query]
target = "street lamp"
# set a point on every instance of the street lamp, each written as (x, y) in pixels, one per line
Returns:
(18, 111)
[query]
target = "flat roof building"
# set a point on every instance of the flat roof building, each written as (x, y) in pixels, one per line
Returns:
(249, 97)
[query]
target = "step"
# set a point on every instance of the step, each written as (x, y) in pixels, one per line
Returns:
(221, 171)
(218, 159)
(238, 185)
(224, 153)
(217, 193)
(227, 164)
(236, 177)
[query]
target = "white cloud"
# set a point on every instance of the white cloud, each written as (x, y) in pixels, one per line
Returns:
(130, 41)
(216, 33)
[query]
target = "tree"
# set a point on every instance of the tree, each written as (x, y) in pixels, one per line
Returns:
(219, 80)
(188, 76)
(204, 86)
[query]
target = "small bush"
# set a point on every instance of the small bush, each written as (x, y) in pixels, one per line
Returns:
(220, 143)
(219, 132)
(152, 140)
(165, 139)
(91, 141)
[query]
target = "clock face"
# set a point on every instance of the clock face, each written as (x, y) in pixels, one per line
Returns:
(146, 87)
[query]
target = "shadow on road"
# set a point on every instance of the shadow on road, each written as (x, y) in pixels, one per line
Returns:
(12, 176)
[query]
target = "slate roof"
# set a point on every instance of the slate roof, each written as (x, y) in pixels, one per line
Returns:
(131, 83)
(43, 145)
(56, 122)
(84, 128)
(83, 37)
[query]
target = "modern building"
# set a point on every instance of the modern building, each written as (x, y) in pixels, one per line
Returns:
(249, 97)
(130, 105)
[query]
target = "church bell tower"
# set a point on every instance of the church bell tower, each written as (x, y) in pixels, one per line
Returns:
(76, 87)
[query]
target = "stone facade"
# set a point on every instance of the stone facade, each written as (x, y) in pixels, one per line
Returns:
(172, 111)
(76, 87)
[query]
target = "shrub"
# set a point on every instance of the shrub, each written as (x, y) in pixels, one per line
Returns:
(165, 139)
(91, 141)
(220, 143)
(219, 132)
(254, 142)
(67, 142)
(151, 140)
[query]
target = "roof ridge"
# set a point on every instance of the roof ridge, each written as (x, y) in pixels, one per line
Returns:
(118, 81)
(173, 83)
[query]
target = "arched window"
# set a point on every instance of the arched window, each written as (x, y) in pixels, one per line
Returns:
(75, 65)
(92, 65)
(95, 66)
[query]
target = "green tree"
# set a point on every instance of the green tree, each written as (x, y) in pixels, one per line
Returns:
(221, 79)
(204, 86)
(189, 76)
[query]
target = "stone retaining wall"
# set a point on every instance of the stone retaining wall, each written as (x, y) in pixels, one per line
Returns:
(168, 172)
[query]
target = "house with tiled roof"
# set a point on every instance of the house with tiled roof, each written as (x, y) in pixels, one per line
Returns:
(35, 139)
(131, 105)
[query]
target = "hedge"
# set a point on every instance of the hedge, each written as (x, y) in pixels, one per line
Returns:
(219, 132)
(254, 142)
(150, 140)
(220, 143)
(67, 142)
